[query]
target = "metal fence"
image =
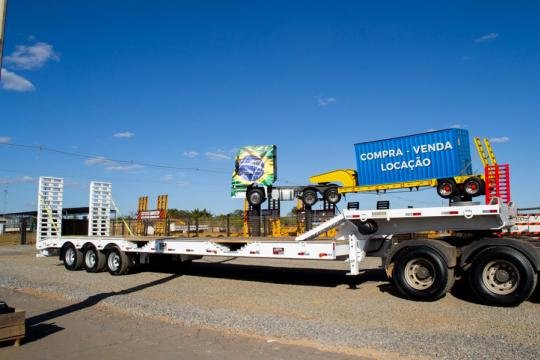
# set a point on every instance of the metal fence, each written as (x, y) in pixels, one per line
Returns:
(225, 226)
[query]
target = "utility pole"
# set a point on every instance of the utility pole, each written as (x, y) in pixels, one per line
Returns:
(3, 11)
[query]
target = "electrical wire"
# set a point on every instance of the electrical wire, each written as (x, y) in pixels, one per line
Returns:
(122, 161)
(105, 159)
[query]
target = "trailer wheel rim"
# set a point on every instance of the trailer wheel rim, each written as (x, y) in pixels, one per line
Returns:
(333, 197)
(310, 198)
(446, 189)
(114, 261)
(419, 274)
(471, 188)
(90, 259)
(500, 277)
(70, 256)
(255, 198)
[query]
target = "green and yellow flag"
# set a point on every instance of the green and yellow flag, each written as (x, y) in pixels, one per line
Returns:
(254, 165)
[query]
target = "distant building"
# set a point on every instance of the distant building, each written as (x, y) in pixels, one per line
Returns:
(74, 221)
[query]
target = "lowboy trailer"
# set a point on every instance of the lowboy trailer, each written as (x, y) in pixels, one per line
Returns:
(501, 271)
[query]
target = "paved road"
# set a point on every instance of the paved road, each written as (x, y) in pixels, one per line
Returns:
(308, 303)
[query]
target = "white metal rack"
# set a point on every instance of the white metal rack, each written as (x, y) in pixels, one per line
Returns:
(99, 212)
(50, 201)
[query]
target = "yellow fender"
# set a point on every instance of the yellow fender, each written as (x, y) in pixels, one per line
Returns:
(347, 177)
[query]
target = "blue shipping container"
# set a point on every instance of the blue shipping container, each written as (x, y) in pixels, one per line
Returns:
(431, 155)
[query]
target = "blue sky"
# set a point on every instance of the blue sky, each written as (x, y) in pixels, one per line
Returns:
(186, 83)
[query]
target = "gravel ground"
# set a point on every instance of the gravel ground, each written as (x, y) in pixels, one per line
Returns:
(306, 302)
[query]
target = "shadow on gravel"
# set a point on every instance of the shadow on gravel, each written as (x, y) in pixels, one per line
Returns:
(389, 289)
(535, 297)
(283, 275)
(462, 291)
(37, 328)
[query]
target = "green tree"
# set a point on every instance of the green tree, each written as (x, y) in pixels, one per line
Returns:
(197, 214)
(177, 214)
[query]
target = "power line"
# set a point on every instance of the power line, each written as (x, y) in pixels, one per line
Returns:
(111, 160)
(104, 159)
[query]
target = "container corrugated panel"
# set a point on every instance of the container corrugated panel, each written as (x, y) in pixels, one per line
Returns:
(431, 155)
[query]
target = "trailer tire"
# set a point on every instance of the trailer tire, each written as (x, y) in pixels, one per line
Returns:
(474, 186)
(72, 258)
(117, 262)
(309, 197)
(502, 276)
(255, 197)
(420, 273)
(446, 188)
(332, 195)
(94, 260)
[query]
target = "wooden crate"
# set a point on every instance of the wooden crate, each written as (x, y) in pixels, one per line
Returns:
(12, 326)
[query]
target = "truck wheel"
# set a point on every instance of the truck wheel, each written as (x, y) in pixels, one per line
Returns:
(255, 197)
(72, 258)
(446, 188)
(502, 276)
(332, 195)
(94, 260)
(420, 273)
(117, 262)
(309, 197)
(474, 186)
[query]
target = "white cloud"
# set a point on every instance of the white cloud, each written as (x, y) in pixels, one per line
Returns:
(98, 160)
(5, 139)
(487, 37)
(217, 155)
(500, 140)
(16, 180)
(14, 82)
(191, 153)
(32, 56)
(111, 165)
(124, 168)
(124, 135)
(167, 177)
(321, 101)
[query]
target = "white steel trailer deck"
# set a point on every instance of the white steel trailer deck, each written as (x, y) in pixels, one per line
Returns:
(421, 269)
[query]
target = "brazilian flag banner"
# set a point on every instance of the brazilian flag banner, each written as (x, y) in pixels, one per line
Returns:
(253, 165)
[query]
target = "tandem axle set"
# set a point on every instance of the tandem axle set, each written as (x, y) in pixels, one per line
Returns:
(501, 271)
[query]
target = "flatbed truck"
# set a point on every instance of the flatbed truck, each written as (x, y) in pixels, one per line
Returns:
(439, 159)
(501, 271)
